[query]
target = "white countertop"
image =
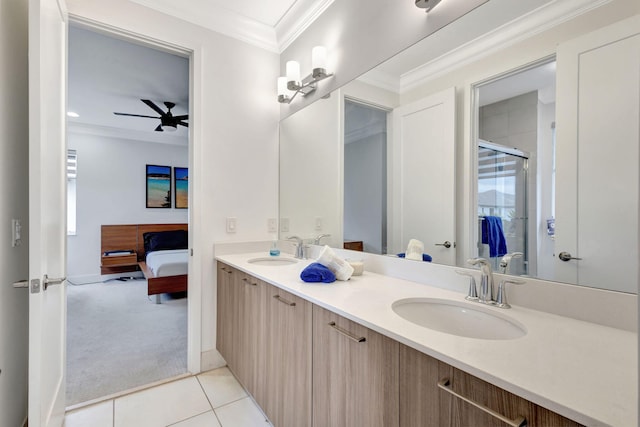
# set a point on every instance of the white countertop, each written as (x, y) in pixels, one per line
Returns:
(584, 371)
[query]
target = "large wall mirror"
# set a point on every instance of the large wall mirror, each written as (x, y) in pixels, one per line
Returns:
(390, 157)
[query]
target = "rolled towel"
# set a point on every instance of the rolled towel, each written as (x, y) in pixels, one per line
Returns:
(425, 257)
(317, 272)
(333, 262)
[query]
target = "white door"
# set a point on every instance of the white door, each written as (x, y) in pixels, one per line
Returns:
(423, 176)
(598, 125)
(47, 213)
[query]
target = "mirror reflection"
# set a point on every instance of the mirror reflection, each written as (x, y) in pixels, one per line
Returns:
(384, 164)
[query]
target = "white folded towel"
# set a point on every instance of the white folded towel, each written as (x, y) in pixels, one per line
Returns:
(415, 250)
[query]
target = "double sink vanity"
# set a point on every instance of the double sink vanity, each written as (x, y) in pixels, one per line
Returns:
(389, 349)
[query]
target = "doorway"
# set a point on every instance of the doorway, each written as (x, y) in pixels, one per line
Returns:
(515, 168)
(365, 177)
(117, 337)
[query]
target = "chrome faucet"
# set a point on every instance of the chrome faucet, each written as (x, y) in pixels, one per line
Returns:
(504, 262)
(299, 247)
(486, 281)
(316, 241)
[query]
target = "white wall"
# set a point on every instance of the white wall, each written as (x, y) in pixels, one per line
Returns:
(365, 191)
(111, 188)
(234, 158)
(14, 187)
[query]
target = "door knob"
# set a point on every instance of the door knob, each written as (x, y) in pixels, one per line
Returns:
(566, 256)
(447, 244)
(47, 281)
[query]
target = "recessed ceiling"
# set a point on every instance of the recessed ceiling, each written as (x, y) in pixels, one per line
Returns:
(270, 24)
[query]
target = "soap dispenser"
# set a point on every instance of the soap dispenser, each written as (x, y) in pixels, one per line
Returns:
(274, 251)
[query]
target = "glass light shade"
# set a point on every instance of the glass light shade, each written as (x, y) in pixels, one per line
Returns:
(319, 57)
(169, 128)
(293, 71)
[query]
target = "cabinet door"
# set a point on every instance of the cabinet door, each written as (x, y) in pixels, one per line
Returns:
(250, 317)
(287, 394)
(423, 403)
(355, 374)
(226, 324)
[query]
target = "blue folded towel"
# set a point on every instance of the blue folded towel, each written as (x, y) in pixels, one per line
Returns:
(317, 272)
(493, 235)
(425, 257)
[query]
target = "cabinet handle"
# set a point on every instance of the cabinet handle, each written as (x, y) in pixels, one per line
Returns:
(346, 333)
(284, 301)
(225, 270)
(248, 282)
(521, 421)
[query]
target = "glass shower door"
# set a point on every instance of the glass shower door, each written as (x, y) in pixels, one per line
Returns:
(502, 193)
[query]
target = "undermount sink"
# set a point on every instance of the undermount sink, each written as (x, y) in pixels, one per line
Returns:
(458, 318)
(274, 261)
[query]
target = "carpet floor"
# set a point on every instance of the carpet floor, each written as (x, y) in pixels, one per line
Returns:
(118, 338)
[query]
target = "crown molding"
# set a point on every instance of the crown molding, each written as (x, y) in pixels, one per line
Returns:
(297, 19)
(223, 21)
(528, 25)
(275, 39)
(126, 134)
(377, 77)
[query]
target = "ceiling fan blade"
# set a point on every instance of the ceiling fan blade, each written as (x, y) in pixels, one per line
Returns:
(183, 124)
(184, 117)
(135, 115)
(154, 107)
(159, 129)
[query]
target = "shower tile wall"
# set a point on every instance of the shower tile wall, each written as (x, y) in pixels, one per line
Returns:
(512, 122)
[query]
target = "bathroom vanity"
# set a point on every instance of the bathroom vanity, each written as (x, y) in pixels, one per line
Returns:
(339, 355)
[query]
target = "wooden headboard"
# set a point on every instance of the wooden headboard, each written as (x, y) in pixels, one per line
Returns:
(129, 236)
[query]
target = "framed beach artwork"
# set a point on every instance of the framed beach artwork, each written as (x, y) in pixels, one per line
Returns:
(158, 186)
(181, 187)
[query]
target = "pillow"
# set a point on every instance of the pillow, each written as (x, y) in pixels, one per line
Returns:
(165, 240)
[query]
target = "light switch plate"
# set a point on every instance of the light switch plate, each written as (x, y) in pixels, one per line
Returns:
(284, 225)
(232, 224)
(318, 223)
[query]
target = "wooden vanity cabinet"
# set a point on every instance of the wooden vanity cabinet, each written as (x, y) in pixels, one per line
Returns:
(287, 377)
(424, 404)
(355, 374)
(240, 325)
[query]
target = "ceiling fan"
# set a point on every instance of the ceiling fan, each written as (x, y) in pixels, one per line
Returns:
(168, 122)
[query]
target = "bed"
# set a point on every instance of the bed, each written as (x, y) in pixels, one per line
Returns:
(161, 253)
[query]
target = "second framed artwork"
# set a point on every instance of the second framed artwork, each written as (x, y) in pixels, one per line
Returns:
(181, 187)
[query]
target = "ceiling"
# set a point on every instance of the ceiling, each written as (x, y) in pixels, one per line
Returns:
(108, 75)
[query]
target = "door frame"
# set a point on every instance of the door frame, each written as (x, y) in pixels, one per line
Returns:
(196, 244)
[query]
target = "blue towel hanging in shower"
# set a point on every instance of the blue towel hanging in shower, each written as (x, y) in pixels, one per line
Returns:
(493, 235)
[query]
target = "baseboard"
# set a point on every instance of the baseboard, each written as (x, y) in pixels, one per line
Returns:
(211, 359)
(85, 279)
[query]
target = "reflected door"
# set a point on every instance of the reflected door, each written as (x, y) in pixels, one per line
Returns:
(423, 192)
(598, 135)
(502, 192)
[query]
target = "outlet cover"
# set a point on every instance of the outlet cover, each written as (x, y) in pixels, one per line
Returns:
(284, 225)
(272, 225)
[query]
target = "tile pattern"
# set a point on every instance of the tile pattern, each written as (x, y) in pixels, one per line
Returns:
(211, 399)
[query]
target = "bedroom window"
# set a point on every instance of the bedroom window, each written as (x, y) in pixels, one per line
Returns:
(72, 172)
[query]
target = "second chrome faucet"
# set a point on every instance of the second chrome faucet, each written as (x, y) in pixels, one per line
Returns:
(487, 293)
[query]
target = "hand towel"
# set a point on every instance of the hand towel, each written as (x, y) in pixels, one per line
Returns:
(425, 257)
(493, 235)
(317, 272)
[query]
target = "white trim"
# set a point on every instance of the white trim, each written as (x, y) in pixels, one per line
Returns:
(126, 134)
(525, 26)
(301, 15)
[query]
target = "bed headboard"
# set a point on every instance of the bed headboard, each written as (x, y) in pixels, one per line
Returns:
(130, 236)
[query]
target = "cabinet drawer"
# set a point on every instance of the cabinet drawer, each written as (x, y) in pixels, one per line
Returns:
(116, 261)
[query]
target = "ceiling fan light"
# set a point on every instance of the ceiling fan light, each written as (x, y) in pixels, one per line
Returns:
(169, 128)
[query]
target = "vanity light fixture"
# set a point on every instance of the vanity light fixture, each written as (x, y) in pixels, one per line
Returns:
(292, 84)
(427, 5)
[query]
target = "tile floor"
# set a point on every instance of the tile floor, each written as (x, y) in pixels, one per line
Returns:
(211, 399)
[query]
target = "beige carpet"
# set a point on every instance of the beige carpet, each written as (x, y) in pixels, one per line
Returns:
(117, 338)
